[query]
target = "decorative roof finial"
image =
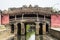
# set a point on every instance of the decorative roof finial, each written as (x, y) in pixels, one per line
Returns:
(30, 6)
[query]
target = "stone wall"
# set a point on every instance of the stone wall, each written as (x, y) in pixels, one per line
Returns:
(55, 33)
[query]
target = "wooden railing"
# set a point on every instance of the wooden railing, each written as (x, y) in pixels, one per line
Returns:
(31, 18)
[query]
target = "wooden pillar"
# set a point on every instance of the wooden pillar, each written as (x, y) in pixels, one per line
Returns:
(22, 16)
(15, 17)
(37, 17)
(44, 17)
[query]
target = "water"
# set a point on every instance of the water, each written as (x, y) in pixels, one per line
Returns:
(32, 37)
(41, 37)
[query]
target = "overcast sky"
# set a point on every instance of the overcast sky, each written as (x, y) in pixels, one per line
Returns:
(5, 4)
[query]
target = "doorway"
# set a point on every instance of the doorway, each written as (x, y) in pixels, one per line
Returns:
(47, 27)
(41, 29)
(12, 28)
(19, 29)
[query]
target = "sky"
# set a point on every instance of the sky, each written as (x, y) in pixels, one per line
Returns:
(5, 4)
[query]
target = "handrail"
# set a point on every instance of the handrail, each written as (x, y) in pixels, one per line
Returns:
(29, 18)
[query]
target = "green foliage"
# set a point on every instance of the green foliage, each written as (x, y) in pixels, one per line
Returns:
(29, 33)
(27, 27)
